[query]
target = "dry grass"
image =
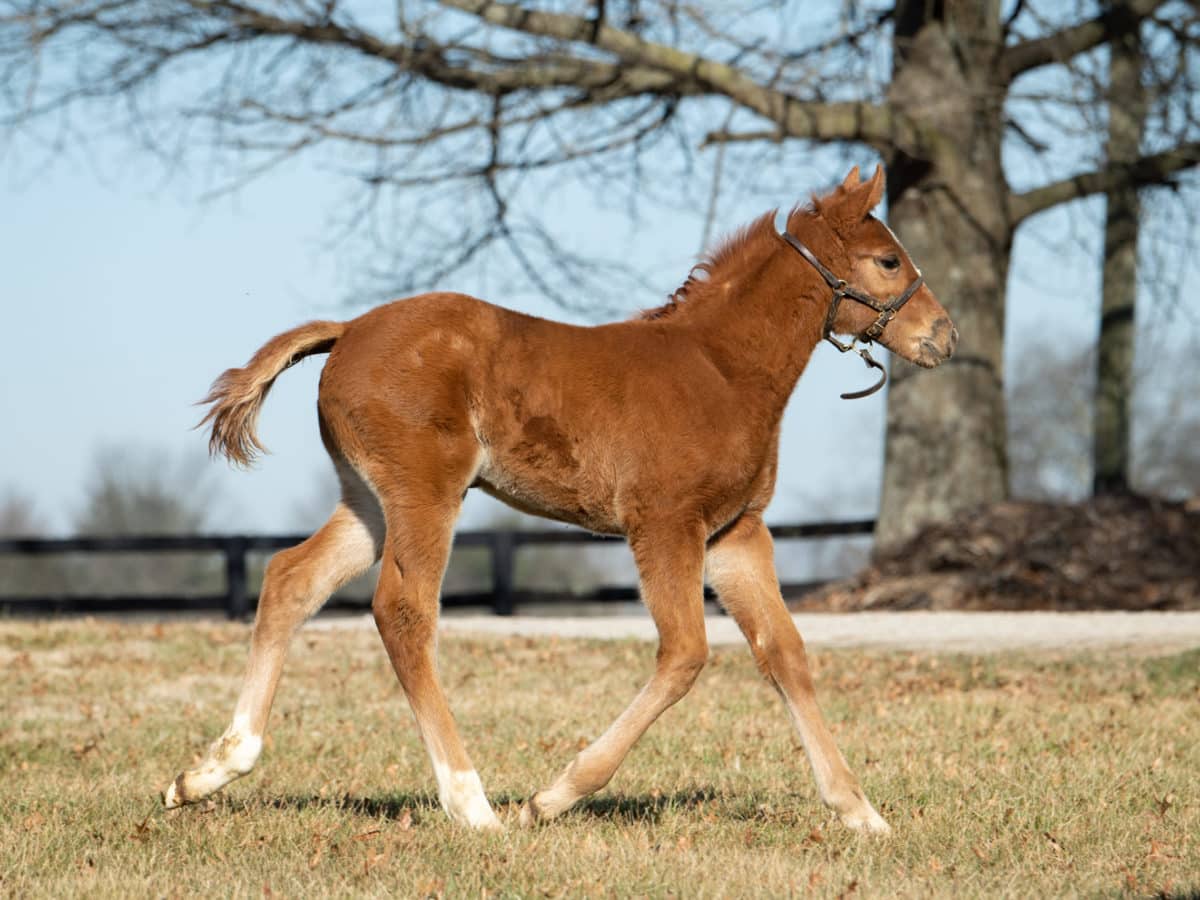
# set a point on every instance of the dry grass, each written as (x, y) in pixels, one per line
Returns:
(1002, 775)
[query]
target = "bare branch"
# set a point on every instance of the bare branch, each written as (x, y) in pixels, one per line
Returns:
(1075, 39)
(876, 123)
(741, 137)
(1155, 169)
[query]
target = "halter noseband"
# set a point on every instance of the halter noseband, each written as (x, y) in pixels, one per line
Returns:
(887, 312)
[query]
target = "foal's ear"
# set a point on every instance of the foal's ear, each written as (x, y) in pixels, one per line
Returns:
(846, 208)
(877, 187)
(863, 197)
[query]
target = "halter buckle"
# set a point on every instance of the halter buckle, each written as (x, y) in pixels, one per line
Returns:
(875, 329)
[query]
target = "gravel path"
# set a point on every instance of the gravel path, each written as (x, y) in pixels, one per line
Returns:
(971, 632)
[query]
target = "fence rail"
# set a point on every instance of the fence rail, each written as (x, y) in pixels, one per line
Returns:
(237, 602)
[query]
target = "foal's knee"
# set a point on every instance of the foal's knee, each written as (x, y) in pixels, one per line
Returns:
(284, 592)
(285, 578)
(680, 667)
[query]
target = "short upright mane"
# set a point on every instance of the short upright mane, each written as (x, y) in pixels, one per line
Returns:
(733, 258)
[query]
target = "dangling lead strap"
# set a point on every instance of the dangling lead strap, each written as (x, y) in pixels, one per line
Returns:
(872, 363)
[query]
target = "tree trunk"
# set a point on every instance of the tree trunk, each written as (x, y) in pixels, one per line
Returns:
(946, 432)
(1114, 361)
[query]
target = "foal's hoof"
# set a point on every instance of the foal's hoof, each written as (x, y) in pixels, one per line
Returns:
(484, 823)
(530, 814)
(866, 821)
(187, 790)
(173, 797)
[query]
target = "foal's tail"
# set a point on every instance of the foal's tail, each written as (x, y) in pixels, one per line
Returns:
(238, 394)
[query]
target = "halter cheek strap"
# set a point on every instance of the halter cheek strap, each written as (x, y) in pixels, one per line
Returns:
(887, 312)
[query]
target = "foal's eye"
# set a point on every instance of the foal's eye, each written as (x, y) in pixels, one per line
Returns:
(891, 263)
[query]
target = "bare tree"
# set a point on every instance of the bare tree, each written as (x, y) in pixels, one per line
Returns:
(1114, 359)
(20, 518)
(1050, 395)
(144, 492)
(457, 117)
(1166, 438)
(1052, 423)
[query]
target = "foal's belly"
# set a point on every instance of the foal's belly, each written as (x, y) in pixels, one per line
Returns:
(551, 493)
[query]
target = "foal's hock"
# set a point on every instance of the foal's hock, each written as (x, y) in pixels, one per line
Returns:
(664, 429)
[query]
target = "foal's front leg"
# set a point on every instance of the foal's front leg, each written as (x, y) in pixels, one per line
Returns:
(741, 568)
(670, 566)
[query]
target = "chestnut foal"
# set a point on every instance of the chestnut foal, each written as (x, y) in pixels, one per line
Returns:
(664, 429)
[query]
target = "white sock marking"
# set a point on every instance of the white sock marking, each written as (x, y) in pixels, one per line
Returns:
(461, 795)
(231, 756)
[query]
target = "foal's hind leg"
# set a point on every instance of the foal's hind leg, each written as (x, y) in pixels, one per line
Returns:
(297, 582)
(741, 569)
(670, 565)
(406, 611)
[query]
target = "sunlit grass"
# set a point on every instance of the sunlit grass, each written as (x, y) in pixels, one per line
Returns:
(1001, 775)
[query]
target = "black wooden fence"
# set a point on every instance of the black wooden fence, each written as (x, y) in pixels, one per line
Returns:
(236, 601)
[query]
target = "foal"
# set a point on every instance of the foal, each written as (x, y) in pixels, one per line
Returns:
(664, 429)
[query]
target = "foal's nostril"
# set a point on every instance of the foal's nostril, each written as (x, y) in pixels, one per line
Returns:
(953, 342)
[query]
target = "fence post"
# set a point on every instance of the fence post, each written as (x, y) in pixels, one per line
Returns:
(236, 602)
(502, 573)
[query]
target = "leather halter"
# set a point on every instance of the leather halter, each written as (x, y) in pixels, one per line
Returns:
(887, 312)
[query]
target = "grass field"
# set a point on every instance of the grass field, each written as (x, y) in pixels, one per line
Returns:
(1001, 775)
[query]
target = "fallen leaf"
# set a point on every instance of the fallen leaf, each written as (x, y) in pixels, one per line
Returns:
(1058, 848)
(1164, 804)
(1160, 852)
(142, 830)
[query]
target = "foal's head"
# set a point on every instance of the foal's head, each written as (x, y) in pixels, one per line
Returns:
(921, 332)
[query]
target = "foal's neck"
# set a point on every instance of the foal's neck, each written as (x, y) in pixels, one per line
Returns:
(762, 328)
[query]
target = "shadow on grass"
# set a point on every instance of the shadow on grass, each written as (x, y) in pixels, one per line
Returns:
(391, 806)
(644, 808)
(395, 806)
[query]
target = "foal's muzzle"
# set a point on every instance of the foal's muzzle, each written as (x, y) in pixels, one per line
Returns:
(938, 346)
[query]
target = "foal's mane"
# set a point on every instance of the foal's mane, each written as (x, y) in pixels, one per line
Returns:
(730, 260)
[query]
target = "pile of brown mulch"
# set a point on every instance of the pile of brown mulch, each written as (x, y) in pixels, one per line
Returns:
(1125, 552)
